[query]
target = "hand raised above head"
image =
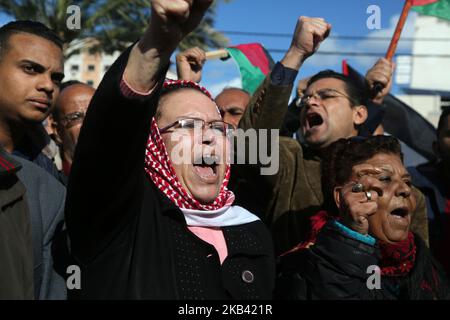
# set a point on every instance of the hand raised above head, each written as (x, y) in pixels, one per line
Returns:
(308, 35)
(190, 64)
(381, 72)
(172, 20)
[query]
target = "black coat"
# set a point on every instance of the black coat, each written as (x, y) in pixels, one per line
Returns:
(130, 241)
(336, 267)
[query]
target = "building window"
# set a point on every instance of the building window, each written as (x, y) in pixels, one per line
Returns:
(90, 82)
(91, 67)
(74, 67)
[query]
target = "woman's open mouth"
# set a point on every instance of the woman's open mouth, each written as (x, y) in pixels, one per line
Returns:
(206, 167)
(401, 215)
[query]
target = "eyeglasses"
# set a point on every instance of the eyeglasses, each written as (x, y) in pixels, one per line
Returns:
(219, 127)
(73, 118)
(322, 95)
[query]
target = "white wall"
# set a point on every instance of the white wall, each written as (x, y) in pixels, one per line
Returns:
(430, 72)
(427, 106)
(72, 75)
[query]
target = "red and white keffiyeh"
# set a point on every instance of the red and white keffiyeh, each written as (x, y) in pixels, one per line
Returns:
(160, 170)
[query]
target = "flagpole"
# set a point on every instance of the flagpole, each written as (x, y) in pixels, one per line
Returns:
(378, 87)
(398, 30)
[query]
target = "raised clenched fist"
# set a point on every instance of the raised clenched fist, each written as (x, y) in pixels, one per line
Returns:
(172, 20)
(309, 34)
(190, 64)
(381, 72)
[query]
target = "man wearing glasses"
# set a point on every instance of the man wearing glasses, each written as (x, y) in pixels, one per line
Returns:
(69, 113)
(332, 107)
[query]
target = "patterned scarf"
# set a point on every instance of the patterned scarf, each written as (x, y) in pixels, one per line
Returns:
(397, 259)
(160, 170)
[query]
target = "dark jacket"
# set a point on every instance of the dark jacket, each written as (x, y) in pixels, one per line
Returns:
(430, 178)
(336, 267)
(286, 200)
(16, 252)
(46, 197)
(129, 239)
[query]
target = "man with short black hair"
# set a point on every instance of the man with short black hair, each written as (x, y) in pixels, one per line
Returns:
(332, 107)
(31, 70)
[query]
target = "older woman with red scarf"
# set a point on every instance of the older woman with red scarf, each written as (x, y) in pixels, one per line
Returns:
(148, 212)
(361, 247)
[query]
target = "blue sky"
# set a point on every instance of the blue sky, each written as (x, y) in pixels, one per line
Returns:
(348, 18)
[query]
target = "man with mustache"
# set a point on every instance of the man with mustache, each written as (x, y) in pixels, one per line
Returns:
(333, 107)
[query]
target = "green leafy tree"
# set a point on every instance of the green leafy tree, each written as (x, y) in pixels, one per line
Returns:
(114, 23)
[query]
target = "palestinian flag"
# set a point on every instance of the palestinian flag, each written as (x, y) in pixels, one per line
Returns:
(254, 64)
(437, 8)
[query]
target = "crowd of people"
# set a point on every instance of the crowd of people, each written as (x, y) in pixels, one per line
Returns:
(134, 184)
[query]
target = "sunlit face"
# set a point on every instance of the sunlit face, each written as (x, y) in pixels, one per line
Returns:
(232, 103)
(72, 105)
(186, 149)
(396, 201)
(324, 121)
(31, 69)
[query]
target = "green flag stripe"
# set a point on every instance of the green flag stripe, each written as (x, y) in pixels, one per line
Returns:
(440, 9)
(251, 76)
